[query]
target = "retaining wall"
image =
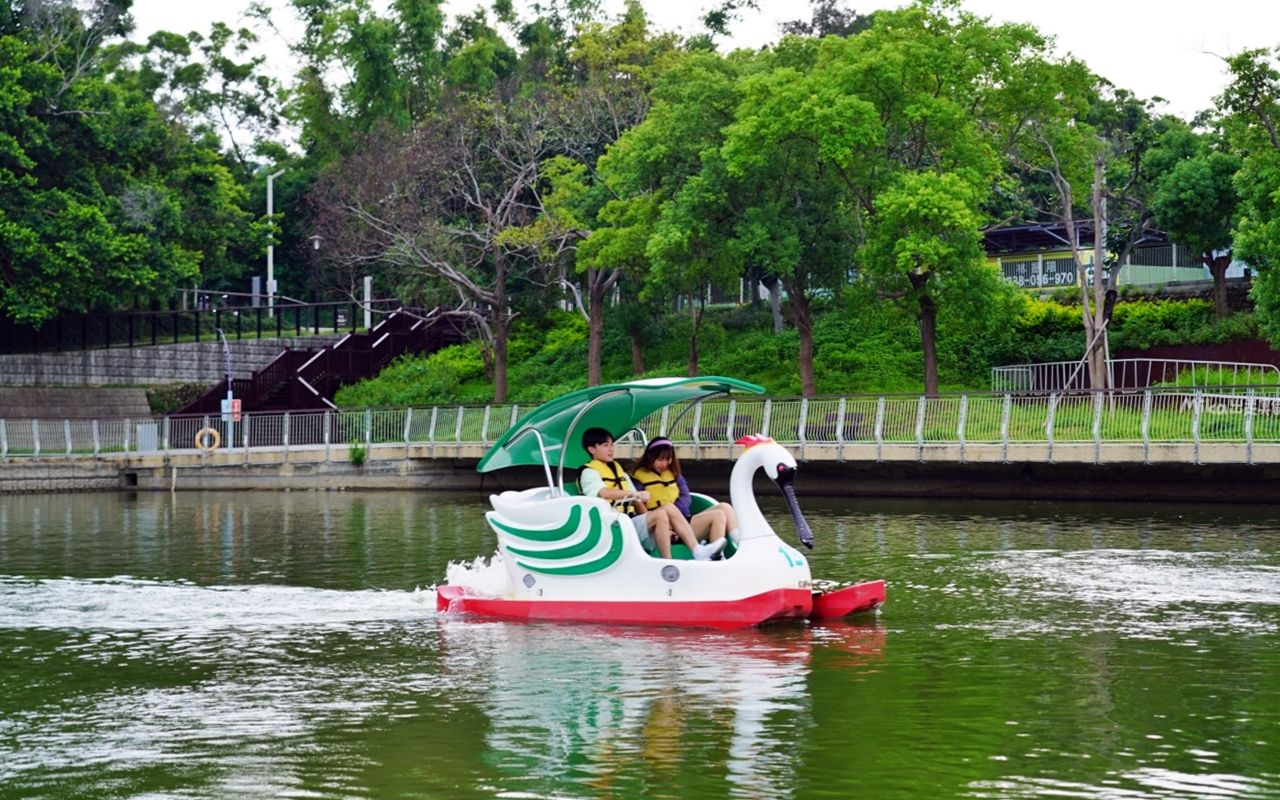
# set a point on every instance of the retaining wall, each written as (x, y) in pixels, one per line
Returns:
(1168, 478)
(193, 362)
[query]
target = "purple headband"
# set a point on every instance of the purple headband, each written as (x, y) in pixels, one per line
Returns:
(659, 442)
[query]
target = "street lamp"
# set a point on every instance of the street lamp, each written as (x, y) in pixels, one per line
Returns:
(271, 250)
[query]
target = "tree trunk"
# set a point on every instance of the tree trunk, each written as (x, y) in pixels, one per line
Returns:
(927, 320)
(1218, 269)
(637, 356)
(775, 304)
(693, 337)
(501, 327)
(802, 316)
(596, 290)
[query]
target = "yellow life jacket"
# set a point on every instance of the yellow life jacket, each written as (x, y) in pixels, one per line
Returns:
(662, 488)
(614, 478)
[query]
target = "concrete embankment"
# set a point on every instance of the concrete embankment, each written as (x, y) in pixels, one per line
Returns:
(191, 362)
(1171, 479)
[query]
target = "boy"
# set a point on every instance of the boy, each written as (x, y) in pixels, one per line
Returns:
(603, 478)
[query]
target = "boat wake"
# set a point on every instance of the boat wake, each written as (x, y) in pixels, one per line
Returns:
(482, 577)
(128, 603)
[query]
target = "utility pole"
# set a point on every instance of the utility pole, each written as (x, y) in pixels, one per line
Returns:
(271, 249)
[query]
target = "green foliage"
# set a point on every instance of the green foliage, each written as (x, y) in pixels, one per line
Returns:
(167, 399)
(1252, 104)
(1140, 326)
(357, 453)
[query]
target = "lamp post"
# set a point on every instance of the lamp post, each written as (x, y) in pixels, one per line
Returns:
(271, 250)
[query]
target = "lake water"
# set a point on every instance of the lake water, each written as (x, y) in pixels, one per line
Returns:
(229, 645)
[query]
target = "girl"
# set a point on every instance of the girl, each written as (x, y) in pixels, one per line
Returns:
(658, 472)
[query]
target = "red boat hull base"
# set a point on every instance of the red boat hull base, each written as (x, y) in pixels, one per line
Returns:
(771, 606)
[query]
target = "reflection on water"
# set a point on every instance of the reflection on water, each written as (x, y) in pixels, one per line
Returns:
(262, 645)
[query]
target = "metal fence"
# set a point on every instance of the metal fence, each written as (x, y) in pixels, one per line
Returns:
(143, 328)
(1136, 373)
(1227, 414)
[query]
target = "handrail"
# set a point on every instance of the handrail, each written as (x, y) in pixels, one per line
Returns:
(826, 427)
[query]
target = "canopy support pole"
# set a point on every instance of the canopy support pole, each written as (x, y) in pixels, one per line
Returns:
(568, 435)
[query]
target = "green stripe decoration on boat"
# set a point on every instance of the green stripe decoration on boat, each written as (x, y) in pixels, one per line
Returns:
(553, 535)
(587, 567)
(574, 550)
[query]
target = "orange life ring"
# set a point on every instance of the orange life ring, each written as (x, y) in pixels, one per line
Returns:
(200, 440)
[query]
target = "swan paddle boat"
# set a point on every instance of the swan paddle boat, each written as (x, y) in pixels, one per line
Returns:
(570, 558)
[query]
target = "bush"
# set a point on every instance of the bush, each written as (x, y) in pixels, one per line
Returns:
(1163, 323)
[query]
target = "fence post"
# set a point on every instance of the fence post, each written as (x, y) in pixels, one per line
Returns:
(66, 432)
(204, 454)
(840, 430)
(920, 428)
(879, 427)
(728, 431)
(1048, 423)
(368, 431)
(128, 424)
(804, 418)
(768, 410)
(167, 432)
(515, 415)
(408, 420)
(431, 432)
(244, 434)
(4, 439)
(964, 411)
(697, 429)
(457, 431)
(1146, 426)
(1197, 405)
(662, 429)
(1004, 427)
(1097, 427)
(35, 438)
(97, 441)
(1249, 402)
(328, 433)
(484, 427)
(284, 434)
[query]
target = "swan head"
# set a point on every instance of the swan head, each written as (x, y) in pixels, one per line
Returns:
(764, 453)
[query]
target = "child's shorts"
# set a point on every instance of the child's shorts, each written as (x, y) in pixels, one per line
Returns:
(642, 530)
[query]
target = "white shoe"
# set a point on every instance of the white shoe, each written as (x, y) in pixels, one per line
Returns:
(704, 552)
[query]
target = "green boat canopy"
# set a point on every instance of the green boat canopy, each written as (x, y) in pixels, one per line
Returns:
(617, 408)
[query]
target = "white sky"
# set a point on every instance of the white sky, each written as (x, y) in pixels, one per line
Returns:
(1151, 48)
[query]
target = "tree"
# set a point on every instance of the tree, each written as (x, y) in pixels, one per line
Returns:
(1195, 203)
(928, 90)
(829, 18)
(444, 211)
(613, 69)
(924, 238)
(668, 219)
(1252, 103)
(104, 204)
